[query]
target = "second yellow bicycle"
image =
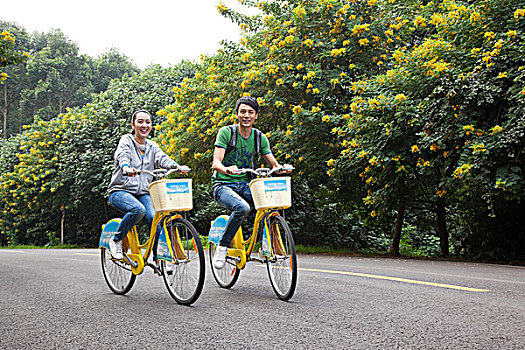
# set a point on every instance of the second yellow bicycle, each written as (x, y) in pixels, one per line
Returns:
(271, 237)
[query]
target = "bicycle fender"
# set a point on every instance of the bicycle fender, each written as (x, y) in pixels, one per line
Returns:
(108, 230)
(217, 229)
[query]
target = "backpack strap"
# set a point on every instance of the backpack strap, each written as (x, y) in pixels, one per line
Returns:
(257, 140)
(232, 145)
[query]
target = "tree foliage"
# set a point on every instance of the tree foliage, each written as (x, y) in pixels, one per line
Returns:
(400, 116)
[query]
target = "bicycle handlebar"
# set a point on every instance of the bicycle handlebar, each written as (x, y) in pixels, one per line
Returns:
(262, 172)
(159, 173)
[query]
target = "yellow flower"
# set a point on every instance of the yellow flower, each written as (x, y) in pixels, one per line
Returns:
(420, 22)
(468, 129)
(496, 129)
(502, 75)
(279, 82)
(400, 98)
(518, 13)
(478, 147)
(330, 163)
(299, 11)
(511, 33)
(364, 42)
(297, 109)
(414, 149)
(441, 193)
(326, 119)
(490, 35)
(279, 104)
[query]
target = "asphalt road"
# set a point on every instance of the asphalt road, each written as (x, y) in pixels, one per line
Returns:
(58, 299)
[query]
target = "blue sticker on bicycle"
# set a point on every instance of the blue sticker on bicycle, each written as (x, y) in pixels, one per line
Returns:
(275, 185)
(177, 187)
(217, 229)
(163, 252)
(109, 230)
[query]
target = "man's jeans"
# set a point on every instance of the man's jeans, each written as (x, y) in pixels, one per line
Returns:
(134, 208)
(235, 196)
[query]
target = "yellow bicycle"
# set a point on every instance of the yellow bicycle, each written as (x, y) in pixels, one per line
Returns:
(271, 236)
(179, 246)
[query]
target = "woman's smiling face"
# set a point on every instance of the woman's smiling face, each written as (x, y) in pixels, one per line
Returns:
(142, 124)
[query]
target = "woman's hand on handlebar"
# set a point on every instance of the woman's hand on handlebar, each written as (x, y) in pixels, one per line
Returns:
(129, 171)
(182, 169)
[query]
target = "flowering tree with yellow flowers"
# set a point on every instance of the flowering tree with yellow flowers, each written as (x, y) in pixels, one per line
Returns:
(443, 129)
(9, 55)
(55, 174)
(299, 58)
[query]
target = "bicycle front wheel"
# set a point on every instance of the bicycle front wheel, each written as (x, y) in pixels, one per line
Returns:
(118, 275)
(228, 275)
(282, 265)
(184, 277)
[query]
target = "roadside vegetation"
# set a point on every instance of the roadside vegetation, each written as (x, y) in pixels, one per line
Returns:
(405, 121)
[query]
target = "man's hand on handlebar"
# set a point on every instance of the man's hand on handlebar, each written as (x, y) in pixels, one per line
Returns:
(232, 170)
(285, 169)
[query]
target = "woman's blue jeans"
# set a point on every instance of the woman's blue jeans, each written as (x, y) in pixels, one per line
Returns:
(235, 196)
(134, 208)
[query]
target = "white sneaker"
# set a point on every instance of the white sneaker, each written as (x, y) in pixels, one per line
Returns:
(219, 258)
(115, 247)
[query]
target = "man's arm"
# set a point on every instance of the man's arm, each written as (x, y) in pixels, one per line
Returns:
(218, 156)
(271, 161)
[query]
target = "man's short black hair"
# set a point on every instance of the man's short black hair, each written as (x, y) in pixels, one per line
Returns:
(247, 100)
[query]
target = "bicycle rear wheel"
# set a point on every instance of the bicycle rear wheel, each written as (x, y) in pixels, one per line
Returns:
(282, 265)
(184, 277)
(118, 275)
(228, 275)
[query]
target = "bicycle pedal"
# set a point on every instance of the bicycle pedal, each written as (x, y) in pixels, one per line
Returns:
(155, 269)
(234, 258)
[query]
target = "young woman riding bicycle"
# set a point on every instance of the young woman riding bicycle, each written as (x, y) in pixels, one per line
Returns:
(128, 189)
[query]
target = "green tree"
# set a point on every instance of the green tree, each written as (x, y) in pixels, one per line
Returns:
(108, 66)
(57, 77)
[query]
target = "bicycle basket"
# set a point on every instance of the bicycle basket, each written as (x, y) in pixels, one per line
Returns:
(171, 195)
(271, 193)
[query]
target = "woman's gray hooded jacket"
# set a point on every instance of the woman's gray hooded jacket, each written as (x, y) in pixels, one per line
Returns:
(128, 153)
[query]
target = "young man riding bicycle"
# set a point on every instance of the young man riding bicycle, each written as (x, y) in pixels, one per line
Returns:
(230, 189)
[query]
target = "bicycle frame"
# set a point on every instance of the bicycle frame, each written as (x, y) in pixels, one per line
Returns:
(136, 259)
(241, 253)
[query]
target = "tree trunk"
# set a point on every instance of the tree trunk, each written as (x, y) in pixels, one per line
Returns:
(442, 227)
(62, 225)
(396, 237)
(4, 131)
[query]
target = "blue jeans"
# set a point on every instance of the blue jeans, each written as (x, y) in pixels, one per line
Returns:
(235, 196)
(134, 208)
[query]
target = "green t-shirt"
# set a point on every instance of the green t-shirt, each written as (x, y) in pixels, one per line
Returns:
(242, 156)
